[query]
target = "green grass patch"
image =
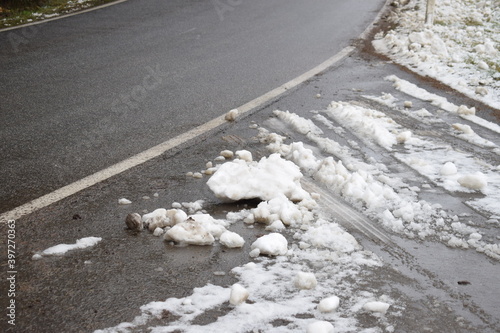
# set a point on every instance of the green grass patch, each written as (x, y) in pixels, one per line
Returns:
(17, 12)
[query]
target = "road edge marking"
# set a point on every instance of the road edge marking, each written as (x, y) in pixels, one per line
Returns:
(63, 16)
(165, 146)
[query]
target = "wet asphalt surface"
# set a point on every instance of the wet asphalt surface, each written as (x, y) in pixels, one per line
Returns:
(125, 78)
(105, 285)
(102, 286)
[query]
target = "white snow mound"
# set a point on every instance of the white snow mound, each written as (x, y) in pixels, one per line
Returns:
(63, 248)
(273, 244)
(271, 176)
(448, 169)
(231, 239)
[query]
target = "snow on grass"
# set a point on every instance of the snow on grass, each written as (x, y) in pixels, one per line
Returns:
(61, 249)
(460, 49)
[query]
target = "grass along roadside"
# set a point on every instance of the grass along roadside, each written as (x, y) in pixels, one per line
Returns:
(14, 13)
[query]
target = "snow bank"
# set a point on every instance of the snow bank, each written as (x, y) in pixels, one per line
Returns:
(460, 49)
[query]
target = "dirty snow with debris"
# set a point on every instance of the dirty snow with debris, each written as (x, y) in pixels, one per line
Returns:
(310, 282)
(306, 280)
(461, 48)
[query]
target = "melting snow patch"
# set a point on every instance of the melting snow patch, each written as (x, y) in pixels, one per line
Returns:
(461, 51)
(286, 280)
(389, 199)
(61, 249)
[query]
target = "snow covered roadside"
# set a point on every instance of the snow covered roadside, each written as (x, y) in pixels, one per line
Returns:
(307, 281)
(371, 188)
(316, 279)
(461, 48)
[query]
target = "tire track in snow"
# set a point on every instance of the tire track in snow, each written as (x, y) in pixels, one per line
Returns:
(347, 216)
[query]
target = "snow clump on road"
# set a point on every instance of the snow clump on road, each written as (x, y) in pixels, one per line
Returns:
(61, 249)
(380, 195)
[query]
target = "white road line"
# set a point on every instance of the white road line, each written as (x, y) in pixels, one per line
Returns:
(63, 16)
(156, 151)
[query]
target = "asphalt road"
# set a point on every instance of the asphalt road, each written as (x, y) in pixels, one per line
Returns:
(131, 86)
(84, 92)
(106, 285)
